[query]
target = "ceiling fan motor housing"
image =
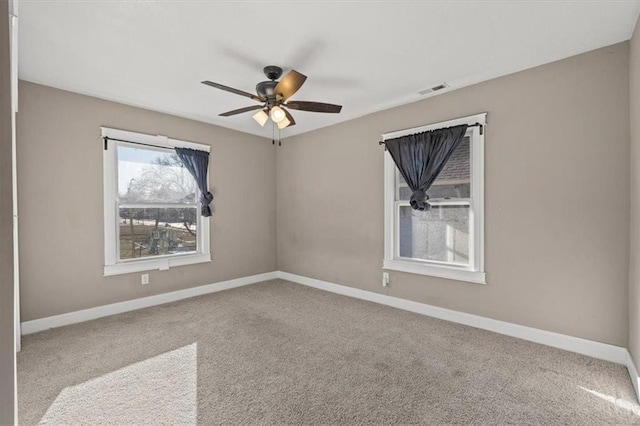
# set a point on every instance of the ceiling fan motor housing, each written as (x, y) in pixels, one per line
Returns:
(266, 89)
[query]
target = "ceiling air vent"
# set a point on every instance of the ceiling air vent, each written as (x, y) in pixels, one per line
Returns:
(434, 89)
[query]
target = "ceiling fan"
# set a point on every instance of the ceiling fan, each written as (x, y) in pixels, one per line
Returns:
(273, 97)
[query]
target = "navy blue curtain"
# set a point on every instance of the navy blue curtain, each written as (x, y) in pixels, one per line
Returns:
(422, 156)
(197, 163)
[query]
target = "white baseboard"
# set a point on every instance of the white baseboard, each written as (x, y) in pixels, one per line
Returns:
(590, 348)
(42, 324)
(633, 373)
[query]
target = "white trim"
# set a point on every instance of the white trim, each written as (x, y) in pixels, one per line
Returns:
(633, 374)
(13, 64)
(389, 206)
(156, 205)
(109, 183)
(607, 352)
(14, 61)
(13, 20)
(475, 271)
(477, 191)
(54, 321)
(161, 264)
(434, 202)
(440, 271)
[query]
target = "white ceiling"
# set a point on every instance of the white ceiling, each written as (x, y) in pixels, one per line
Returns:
(366, 56)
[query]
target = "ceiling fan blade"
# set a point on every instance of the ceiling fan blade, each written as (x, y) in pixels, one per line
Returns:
(289, 84)
(232, 90)
(292, 122)
(241, 110)
(314, 106)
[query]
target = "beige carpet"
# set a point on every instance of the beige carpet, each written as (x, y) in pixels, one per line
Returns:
(281, 353)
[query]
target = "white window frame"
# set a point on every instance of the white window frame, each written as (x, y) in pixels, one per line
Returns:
(474, 272)
(112, 264)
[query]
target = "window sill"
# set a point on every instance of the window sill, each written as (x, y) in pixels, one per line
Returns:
(152, 264)
(448, 272)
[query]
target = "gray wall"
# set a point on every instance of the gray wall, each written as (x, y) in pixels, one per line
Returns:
(557, 198)
(556, 219)
(634, 270)
(61, 205)
(7, 355)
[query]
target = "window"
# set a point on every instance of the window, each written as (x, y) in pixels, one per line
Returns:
(448, 240)
(151, 205)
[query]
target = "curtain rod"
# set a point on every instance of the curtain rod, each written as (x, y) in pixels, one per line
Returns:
(468, 125)
(107, 138)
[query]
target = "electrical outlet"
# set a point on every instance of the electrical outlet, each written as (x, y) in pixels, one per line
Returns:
(145, 279)
(385, 279)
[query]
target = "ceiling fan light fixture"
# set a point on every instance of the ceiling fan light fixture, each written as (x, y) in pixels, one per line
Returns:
(284, 123)
(273, 96)
(277, 114)
(261, 117)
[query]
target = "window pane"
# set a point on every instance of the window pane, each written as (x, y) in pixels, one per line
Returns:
(156, 232)
(150, 176)
(440, 234)
(453, 181)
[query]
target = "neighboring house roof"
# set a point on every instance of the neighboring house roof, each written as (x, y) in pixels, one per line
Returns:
(457, 169)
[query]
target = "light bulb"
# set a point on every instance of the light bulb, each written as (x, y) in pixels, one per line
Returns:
(261, 117)
(284, 123)
(277, 114)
